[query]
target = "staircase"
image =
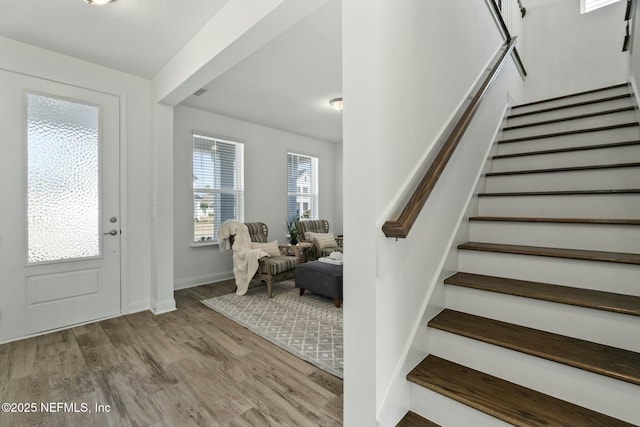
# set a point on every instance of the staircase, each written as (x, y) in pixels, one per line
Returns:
(542, 320)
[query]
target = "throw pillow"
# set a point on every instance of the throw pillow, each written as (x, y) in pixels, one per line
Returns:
(270, 248)
(323, 240)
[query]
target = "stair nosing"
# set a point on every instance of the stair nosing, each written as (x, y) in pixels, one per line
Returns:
(568, 149)
(589, 221)
(568, 133)
(571, 95)
(562, 193)
(570, 118)
(565, 169)
(499, 398)
(567, 106)
(579, 297)
(523, 340)
(551, 252)
(412, 419)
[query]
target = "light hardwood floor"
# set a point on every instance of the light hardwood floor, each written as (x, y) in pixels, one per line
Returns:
(190, 367)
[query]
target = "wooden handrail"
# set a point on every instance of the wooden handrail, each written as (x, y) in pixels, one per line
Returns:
(400, 228)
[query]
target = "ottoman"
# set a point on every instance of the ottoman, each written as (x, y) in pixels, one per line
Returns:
(321, 278)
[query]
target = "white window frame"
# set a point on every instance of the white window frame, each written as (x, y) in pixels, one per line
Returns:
(303, 193)
(215, 187)
(587, 6)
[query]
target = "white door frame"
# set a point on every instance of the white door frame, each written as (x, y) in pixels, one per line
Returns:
(122, 200)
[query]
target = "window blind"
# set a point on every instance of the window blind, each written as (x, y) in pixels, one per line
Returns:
(302, 187)
(218, 185)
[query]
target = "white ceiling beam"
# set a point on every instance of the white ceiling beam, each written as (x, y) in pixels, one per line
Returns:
(239, 29)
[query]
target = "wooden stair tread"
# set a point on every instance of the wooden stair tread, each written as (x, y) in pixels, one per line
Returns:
(570, 118)
(566, 169)
(579, 254)
(598, 358)
(569, 132)
(576, 104)
(562, 192)
(599, 300)
(501, 399)
(571, 95)
(595, 221)
(411, 419)
(568, 149)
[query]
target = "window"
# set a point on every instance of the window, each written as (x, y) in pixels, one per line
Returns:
(302, 187)
(590, 5)
(218, 185)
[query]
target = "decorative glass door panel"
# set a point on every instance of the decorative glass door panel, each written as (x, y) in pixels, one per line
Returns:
(63, 169)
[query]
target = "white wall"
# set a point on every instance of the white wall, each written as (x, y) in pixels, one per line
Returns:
(569, 52)
(406, 67)
(634, 50)
(135, 119)
(338, 162)
(265, 154)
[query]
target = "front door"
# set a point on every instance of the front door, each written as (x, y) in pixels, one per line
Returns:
(60, 220)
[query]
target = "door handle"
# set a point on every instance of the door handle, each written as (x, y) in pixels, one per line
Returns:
(112, 232)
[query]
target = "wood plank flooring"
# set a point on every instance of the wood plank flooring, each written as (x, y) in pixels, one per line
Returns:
(614, 362)
(190, 367)
(569, 132)
(599, 300)
(580, 254)
(565, 169)
(561, 193)
(572, 105)
(504, 400)
(558, 220)
(571, 95)
(570, 118)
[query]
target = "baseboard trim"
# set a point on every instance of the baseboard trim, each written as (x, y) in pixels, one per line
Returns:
(137, 306)
(191, 282)
(166, 306)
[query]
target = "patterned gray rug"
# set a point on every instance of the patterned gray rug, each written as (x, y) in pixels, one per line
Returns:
(308, 326)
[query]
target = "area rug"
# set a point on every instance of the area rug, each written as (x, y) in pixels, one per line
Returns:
(308, 326)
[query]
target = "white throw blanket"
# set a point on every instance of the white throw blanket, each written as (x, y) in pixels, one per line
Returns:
(245, 259)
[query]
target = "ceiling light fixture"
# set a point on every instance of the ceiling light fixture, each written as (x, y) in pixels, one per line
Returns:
(337, 103)
(98, 2)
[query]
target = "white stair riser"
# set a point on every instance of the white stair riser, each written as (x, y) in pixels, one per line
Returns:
(601, 276)
(627, 154)
(595, 179)
(568, 112)
(590, 122)
(574, 206)
(575, 140)
(573, 100)
(448, 412)
(611, 238)
(596, 392)
(613, 329)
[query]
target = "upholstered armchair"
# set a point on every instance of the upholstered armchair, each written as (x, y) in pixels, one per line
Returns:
(317, 232)
(272, 269)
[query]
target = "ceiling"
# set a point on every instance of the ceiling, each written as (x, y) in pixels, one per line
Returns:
(288, 83)
(285, 85)
(135, 36)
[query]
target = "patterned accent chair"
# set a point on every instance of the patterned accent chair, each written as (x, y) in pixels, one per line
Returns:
(316, 226)
(271, 269)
